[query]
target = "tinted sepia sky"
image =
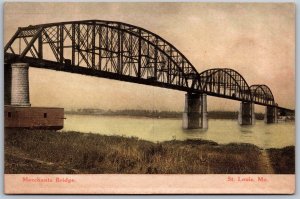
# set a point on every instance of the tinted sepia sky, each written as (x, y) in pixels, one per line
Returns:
(257, 40)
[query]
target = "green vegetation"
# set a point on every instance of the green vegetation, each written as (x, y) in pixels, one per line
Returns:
(45, 151)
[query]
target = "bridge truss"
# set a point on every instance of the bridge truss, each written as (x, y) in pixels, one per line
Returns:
(125, 52)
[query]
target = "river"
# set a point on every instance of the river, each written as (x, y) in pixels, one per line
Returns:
(221, 131)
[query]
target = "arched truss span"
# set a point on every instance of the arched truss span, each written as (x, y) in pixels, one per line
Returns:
(124, 52)
(106, 46)
(225, 82)
(262, 94)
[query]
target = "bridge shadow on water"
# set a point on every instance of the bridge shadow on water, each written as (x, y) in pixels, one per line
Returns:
(195, 131)
(246, 129)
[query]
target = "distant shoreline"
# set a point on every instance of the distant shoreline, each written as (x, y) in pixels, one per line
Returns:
(157, 114)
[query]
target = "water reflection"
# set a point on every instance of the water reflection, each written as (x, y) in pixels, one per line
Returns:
(244, 130)
(220, 131)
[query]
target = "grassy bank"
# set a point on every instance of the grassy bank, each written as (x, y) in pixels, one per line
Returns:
(41, 151)
(283, 160)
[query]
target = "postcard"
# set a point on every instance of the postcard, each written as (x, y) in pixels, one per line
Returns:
(149, 98)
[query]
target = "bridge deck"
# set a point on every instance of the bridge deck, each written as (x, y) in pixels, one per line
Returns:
(125, 52)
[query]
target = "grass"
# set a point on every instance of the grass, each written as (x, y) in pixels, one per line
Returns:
(46, 151)
(283, 160)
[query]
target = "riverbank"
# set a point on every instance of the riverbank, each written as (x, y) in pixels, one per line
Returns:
(46, 151)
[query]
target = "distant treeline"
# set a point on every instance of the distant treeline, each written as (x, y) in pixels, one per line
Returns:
(156, 113)
(230, 115)
(128, 112)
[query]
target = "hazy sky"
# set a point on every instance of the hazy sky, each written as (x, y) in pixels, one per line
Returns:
(257, 40)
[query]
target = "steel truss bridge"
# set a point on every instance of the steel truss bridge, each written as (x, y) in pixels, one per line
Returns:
(129, 53)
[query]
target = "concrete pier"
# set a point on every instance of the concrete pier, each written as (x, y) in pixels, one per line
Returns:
(20, 85)
(246, 113)
(195, 112)
(271, 115)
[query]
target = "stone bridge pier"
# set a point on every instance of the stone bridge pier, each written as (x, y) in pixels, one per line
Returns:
(246, 113)
(7, 84)
(18, 112)
(271, 114)
(16, 85)
(195, 111)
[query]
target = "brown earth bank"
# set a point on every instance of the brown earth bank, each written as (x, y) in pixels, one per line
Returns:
(51, 152)
(282, 160)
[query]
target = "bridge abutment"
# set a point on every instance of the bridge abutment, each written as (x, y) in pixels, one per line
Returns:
(195, 111)
(271, 115)
(246, 114)
(18, 112)
(19, 85)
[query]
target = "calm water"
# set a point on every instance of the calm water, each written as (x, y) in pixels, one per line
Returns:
(221, 131)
